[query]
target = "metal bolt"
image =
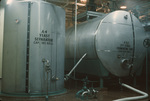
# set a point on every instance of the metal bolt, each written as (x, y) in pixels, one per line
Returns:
(17, 21)
(126, 16)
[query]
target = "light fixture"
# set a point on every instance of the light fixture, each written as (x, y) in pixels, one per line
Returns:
(123, 7)
(80, 4)
(83, 1)
(9, 2)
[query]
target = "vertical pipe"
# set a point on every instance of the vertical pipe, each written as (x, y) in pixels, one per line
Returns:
(75, 39)
(147, 59)
(46, 98)
(134, 81)
(2, 10)
(75, 34)
(147, 70)
(101, 82)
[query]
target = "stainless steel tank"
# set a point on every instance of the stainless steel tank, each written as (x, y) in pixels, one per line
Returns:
(116, 39)
(34, 39)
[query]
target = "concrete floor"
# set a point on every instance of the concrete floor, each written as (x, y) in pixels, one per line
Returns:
(102, 95)
(110, 92)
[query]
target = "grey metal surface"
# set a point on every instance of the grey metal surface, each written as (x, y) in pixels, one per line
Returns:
(85, 40)
(1, 35)
(46, 41)
(115, 39)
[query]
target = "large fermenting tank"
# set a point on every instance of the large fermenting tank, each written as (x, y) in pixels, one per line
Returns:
(34, 39)
(116, 39)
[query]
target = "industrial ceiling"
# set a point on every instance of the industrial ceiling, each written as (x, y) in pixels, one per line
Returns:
(141, 6)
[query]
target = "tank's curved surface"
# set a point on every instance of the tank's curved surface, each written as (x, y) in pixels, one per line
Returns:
(30, 36)
(116, 39)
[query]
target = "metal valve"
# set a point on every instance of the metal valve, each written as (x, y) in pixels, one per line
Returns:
(46, 65)
(126, 63)
(54, 78)
(146, 43)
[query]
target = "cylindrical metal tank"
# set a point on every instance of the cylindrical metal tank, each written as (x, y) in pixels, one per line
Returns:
(33, 52)
(116, 39)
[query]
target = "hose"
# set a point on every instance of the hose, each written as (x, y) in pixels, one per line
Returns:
(144, 95)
